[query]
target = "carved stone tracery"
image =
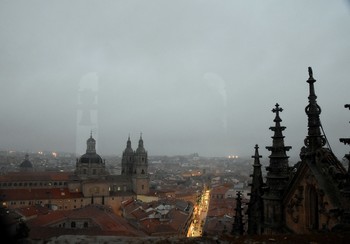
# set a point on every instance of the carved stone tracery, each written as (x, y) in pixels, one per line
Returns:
(295, 203)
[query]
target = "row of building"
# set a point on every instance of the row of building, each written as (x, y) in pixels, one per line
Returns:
(90, 182)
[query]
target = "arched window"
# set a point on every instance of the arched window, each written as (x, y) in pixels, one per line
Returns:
(311, 204)
(72, 224)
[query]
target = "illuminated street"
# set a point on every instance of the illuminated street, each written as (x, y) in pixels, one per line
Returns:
(199, 215)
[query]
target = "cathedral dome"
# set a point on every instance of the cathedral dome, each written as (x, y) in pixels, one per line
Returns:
(26, 164)
(93, 158)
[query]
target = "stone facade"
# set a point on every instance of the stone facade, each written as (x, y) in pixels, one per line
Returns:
(311, 196)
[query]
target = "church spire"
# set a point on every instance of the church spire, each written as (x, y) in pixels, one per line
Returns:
(140, 148)
(255, 205)
(128, 143)
(278, 173)
(238, 227)
(141, 141)
(314, 140)
(278, 169)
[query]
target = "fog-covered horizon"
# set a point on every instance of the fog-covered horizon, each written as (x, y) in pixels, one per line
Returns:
(191, 76)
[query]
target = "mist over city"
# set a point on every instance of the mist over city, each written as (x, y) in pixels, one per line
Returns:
(188, 121)
(191, 76)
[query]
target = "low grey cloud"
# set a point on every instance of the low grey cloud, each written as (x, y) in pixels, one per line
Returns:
(192, 76)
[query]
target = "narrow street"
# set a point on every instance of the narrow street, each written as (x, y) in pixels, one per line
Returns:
(199, 215)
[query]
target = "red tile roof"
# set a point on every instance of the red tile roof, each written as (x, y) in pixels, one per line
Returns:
(106, 223)
(32, 211)
(148, 216)
(221, 207)
(219, 190)
(38, 194)
(36, 176)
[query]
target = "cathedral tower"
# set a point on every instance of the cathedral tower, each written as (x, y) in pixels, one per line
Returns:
(128, 159)
(278, 174)
(140, 175)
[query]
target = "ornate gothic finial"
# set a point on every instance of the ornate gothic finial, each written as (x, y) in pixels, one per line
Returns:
(277, 110)
(278, 169)
(91, 133)
(310, 73)
(314, 139)
(311, 81)
(256, 155)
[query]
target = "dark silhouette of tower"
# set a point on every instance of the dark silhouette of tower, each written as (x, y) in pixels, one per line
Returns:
(135, 166)
(128, 159)
(315, 195)
(278, 174)
(255, 205)
(346, 190)
(314, 139)
(238, 228)
(140, 177)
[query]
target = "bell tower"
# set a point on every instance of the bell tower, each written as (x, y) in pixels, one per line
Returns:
(128, 159)
(140, 175)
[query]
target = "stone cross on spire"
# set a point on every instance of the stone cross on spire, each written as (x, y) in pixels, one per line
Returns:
(277, 110)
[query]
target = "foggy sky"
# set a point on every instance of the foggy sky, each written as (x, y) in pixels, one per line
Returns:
(192, 76)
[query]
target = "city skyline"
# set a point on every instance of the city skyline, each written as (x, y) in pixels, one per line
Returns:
(193, 77)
